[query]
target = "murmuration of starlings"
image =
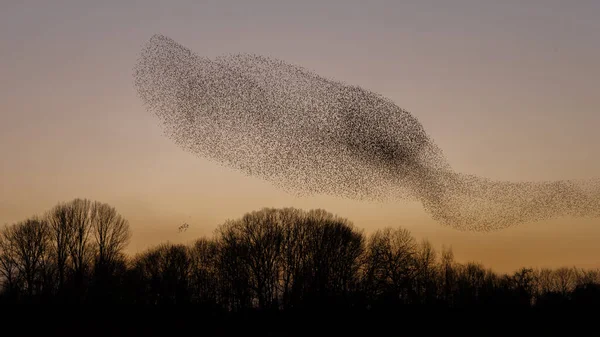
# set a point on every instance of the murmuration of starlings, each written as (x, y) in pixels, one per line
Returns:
(308, 134)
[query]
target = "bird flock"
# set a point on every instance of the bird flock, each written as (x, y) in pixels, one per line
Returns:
(308, 134)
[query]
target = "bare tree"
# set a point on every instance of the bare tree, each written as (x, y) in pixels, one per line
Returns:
(426, 269)
(285, 256)
(26, 247)
(586, 276)
(8, 263)
(256, 240)
(204, 277)
(335, 249)
(470, 282)
(59, 219)
(563, 280)
(294, 256)
(524, 285)
(111, 233)
(80, 249)
(544, 281)
(448, 275)
(164, 271)
(391, 261)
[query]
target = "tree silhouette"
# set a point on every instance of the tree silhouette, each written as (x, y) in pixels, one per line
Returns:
(111, 235)
(255, 240)
(59, 219)
(391, 264)
(425, 287)
(163, 274)
(205, 278)
(272, 269)
(110, 231)
(25, 249)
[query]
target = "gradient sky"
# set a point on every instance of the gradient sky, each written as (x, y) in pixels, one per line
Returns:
(508, 89)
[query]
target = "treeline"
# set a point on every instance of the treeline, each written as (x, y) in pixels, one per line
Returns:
(270, 261)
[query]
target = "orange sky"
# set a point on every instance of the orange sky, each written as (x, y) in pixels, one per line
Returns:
(509, 90)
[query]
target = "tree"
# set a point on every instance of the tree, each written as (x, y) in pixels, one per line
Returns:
(163, 274)
(585, 277)
(425, 287)
(334, 250)
(256, 239)
(204, 278)
(563, 280)
(524, 283)
(391, 267)
(470, 282)
(448, 275)
(295, 257)
(25, 249)
(544, 281)
(8, 263)
(59, 219)
(80, 249)
(86, 233)
(290, 257)
(111, 235)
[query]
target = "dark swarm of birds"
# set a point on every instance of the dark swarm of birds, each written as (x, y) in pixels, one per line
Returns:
(183, 227)
(308, 135)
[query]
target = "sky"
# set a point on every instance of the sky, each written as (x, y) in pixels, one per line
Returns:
(508, 90)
